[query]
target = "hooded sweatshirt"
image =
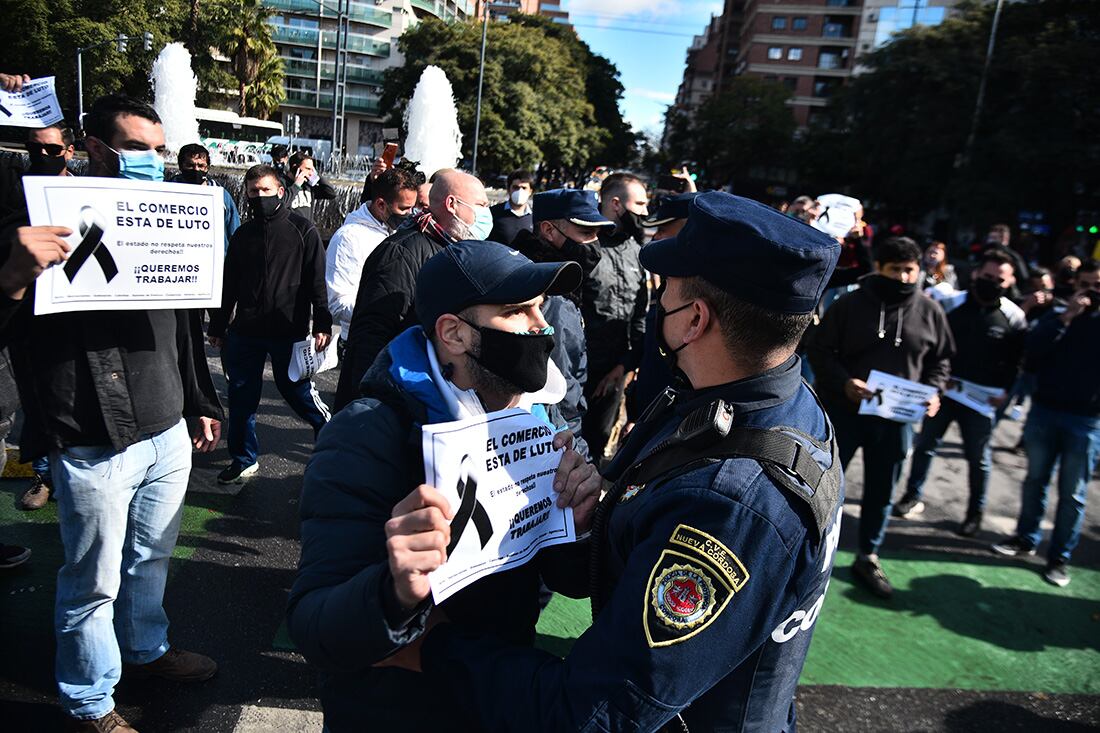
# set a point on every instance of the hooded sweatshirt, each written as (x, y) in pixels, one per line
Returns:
(860, 332)
(348, 250)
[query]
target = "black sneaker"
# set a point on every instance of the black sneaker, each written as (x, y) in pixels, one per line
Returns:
(909, 506)
(970, 526)
(869, 573)
(12, 556)
(1057, 574)
(236, 473)
(1014, 547)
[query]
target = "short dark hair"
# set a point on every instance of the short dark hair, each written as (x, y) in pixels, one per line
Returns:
(753, 335)
(297, 159)
(278, 151)
(67, 137)
(263, 170)
(520, 175)
(998, 257)
(1001, 230)
(192, 150)
(391, 182)
(897, 249)
(102, 121)
(616, 185)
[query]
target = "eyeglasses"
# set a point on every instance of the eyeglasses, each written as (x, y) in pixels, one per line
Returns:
(51, 149)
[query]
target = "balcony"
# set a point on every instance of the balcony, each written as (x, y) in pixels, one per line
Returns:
(357, 11)
(300, 67)
(354, 103)
(302, 98)
(293, 34)
(440, 9)
(308, 37)
(367, 14)
(308, 68)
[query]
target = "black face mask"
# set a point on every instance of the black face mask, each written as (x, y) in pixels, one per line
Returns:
(395, 220)
(585, 254)
(889, 290)
(46, 165)
(192, 176)
(631, 225)
(264, 207)
(987, 290)
(664, 348)
(518, 358)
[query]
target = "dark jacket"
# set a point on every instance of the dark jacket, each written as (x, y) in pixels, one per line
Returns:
(342, 612)
(614, 304)
(847, 345)
(1066, 360)
(989, 340)
(712, 576)
(571, 358)
(384, 303)
(585, 255)
(507, 225)
(275, 279)
(306, 194)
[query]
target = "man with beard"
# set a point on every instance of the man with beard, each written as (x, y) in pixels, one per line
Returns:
(888, 325)
(614, 304)
(566, 229)
(385, 304)
(372, 530)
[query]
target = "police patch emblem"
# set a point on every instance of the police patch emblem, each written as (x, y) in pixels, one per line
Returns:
(683, 596)
(630, 492)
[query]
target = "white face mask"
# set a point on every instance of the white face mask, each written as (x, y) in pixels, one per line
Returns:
(520, 197)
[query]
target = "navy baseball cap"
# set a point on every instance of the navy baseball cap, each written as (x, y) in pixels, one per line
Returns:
(577, 206)
(671, 208)
(751, 251)
(473, 272)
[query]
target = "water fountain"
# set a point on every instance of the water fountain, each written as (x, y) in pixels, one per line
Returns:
(174, 88)
(433, 139)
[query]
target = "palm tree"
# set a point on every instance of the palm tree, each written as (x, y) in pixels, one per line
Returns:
(246, 40)
(266, 91)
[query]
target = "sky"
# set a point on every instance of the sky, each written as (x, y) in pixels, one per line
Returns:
(647, 40)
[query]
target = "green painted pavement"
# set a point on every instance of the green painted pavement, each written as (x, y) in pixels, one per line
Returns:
(954, 623)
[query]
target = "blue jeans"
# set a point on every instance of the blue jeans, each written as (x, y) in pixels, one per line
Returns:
(1051, 436)
(41, 467)
(243, 358)
(976, 429)
(119, 515)
(885, 444)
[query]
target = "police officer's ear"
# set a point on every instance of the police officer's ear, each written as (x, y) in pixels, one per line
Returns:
(452, 337)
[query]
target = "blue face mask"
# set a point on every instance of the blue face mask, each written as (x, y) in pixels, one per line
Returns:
(139, 165)
(483, 221)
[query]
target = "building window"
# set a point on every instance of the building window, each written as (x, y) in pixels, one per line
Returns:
(779, 23)
(775, 53)
(906, 14)
(798, 24)
(794, 53)
(839, 3)
(833, 58)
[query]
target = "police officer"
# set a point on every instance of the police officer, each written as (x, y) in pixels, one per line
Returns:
(713, 548)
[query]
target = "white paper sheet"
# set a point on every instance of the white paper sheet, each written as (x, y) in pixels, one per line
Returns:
(895, 398)
(306, 362)
(973, 395)
(136, 245)
(497, 470)
(35, 105)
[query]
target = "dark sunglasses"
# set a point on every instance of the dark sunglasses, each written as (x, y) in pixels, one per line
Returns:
(51, 149)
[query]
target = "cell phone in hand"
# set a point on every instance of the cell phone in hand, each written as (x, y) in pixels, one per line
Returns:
(672, 183)
(389, 153)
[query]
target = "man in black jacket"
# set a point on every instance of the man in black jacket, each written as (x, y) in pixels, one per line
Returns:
(105, 393)
(888, 325)
(275, 279)
(989, 331)
(306, 185)
(372, 530)
(457, 209)
(513, 215)
(614, 306)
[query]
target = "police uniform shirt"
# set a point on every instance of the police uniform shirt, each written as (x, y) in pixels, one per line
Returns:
(715, 579)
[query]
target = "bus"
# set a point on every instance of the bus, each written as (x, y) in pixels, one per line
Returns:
(234, 140)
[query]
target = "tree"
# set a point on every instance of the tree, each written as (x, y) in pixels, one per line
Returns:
(246, 40)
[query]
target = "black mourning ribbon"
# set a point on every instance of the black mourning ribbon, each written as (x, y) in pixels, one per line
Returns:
(91, 244)
(5, 111)
(469, 507)
(877, 396)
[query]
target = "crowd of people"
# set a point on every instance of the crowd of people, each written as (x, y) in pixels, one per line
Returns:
(671, 343)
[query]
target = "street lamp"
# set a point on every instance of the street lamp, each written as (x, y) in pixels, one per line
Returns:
(339, 69)
(121, 42)
(481, 74)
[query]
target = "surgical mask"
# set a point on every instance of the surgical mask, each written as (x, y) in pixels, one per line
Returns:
(196, 177)
(139, 165)
(988, 290)
(46, 165)
(519, 197)
(521, 359)
(264, 207)
(483, 221)
(889, 290)
(666, 351)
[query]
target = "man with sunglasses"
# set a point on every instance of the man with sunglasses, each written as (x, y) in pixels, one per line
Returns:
(50, 149)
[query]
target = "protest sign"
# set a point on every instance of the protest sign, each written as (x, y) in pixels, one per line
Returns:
(305, 361)
(895, 398)
(136, 245)
(973, 395)
(35, 105)
(497, 471)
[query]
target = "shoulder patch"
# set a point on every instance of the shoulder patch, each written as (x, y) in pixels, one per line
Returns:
(689, 586)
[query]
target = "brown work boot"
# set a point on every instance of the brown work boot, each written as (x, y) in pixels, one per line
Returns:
(36, 495)
(112, 722)
(178, 666)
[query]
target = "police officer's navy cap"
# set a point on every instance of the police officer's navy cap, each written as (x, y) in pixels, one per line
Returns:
(671, 208)
(577, 206)
(473, 272)
(749, 250)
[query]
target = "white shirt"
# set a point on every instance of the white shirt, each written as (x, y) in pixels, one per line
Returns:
(348, 250)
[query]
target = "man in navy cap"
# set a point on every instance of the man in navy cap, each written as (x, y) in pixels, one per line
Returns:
(372, 530)
(566, 229)
(713, 548)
